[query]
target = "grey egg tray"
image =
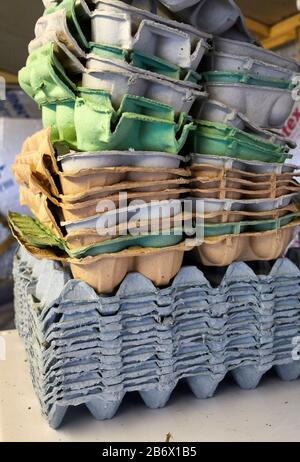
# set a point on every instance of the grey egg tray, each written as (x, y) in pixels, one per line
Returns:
(118, 24)
(89, 349)
(76, 161)
(119, 78)
(212, 16)
(219, 61)
(249, 50)
(266, 107)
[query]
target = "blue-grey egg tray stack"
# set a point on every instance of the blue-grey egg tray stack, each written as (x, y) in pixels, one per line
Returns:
(89, 349)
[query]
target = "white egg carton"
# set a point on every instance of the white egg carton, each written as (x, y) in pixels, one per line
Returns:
(153, 210)
(250, 205)
(119, 78)
(249, 50)
(76, 161)
(266, 107)
(121, 25)
(220, 61)
(218, 112)
(260, 168)
(213, 16)
(54, 26)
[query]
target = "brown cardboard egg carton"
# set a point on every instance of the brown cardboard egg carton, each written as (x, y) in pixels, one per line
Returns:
(41, 204)
(228, 216)
(235, 188)
(268, 245)
(105, 272)
(210, 171)
(88, 179)
(41, 208)
(98, 234)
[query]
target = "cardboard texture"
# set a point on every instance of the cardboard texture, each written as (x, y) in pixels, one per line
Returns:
(141, 104)
(244, 325)
(115, 23)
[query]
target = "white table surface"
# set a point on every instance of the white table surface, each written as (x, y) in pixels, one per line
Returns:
(269, 413)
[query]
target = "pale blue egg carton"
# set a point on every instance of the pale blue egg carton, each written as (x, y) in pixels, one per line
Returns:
(89, 349)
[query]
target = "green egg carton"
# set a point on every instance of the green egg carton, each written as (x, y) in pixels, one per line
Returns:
(259, 226)
(90, 123)
(76, 15)
(44, 78)
(224, 130)
(146, 61)
(246, 78)
(34, 233)
(218, 139)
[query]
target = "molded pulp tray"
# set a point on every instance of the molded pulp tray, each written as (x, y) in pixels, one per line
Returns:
(120, 78)
(136, 59)
(265, 106)
(54, 27)
(76, 161)
(224, 140)
(218, 61)
(113, 23)
(213, 16)
(247, 167)
(188, 330)
(215, 111)
(255, 52)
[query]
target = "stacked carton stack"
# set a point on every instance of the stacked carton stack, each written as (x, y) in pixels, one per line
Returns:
(86, 349)
(119, 85)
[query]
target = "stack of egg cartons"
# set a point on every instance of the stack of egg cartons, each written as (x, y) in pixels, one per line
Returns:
(116, 84)
(122, 102)
(237, 161)
(89, 349)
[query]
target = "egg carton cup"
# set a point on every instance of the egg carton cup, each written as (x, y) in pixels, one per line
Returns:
(44, 78)
(42, 207)
(236, 191)
(162, 209)
(243, 167)
(215, 139)
(205, 383)
(70, 62)
(204, 180)
(251, 206)
(75, 162)
(91, 180)
(219, 61)
(37, 235)
(83, 127)
(77, 17)
(257, 53)
(217, 18)
(223, 250)
(39, 154)
(215, 111)
(265, 106)
(225, 216)
(119, 78)
(54, 27)
(140, 61)
(107, 271)
(214, 170)
(102, 233)
(113, 23)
